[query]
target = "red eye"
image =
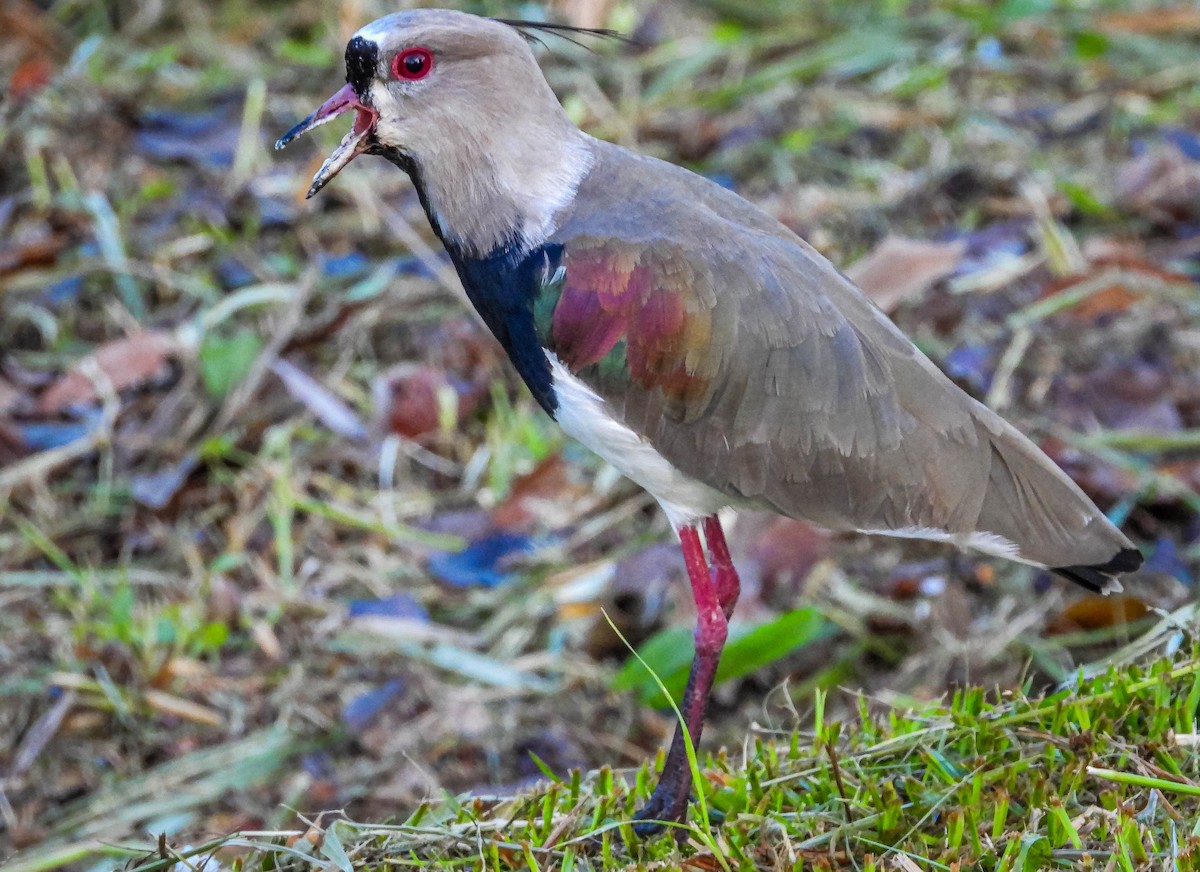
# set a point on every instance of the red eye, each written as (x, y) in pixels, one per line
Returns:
(412, 64)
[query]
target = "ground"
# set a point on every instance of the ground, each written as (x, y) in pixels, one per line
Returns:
(245, 438)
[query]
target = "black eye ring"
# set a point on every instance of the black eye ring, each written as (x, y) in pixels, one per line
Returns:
(412, 64)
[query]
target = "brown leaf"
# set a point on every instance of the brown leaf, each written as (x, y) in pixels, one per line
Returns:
(1126, 260)
(1112, 298)
(784, 551)
(32, 28)
(1096, 612)
(1163, 184)
(31, 75)
(183, 708)
(1123, 275)
(409, 397)
(900, 268)
(538, 498)
(128, 362)
(1179, 19)
(42, 251)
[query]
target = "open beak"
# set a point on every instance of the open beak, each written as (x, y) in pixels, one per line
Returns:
(354, 143)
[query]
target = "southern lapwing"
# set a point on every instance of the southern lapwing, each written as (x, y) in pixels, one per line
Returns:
(688, 338)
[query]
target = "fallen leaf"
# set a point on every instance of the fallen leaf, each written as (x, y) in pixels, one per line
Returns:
(480, 564)
(31, 75)
(465, 348)
(32, 35)
(364, 708)
(1120, 280)
(783, 551)
(319, 400)
(182, 708)
(538, 498)
(899, 268)
(414, 400)
(973, 366)
(1127, 261)
(128, 362)
(401, 606)
(1096, 612)
(1115, 295)
(155, 490)
(1161, 184)
(264, 636)
(40, 251)
(1171, 20)
(31, 26)
(47, 435)
(635, 600)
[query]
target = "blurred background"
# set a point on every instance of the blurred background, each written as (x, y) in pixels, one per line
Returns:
(279, 528)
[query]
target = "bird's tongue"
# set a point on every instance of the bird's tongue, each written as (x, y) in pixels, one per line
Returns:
(354, 143)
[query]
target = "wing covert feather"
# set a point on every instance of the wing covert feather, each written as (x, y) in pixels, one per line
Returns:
(751, 364)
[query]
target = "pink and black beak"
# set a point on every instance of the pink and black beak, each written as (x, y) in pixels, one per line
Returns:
(361, 137)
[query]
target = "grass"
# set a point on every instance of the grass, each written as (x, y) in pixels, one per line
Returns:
(1104, 774)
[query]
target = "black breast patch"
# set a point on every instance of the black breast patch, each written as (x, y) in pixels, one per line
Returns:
(504, 287)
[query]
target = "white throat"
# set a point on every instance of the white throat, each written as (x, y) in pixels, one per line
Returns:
(486, 194)
(534, 195)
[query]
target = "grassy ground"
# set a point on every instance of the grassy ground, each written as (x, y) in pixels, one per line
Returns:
(1099, 775)
(244, 438)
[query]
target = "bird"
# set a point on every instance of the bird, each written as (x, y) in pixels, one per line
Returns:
(690, 339)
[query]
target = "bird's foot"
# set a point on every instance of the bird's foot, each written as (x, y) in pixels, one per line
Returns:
(665, 806)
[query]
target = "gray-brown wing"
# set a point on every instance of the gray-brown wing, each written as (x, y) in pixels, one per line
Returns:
(753, 365)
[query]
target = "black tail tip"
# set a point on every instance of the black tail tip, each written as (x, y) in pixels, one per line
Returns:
(1099, 578)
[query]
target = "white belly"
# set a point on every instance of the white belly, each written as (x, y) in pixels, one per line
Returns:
(584, 416)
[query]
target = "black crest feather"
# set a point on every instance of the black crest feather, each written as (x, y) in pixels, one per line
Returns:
(569, 32)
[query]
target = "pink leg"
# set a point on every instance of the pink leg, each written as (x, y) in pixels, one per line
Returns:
(670, 798)
(725, 577)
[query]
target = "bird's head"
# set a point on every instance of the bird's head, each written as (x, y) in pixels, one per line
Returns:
(432, 86)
